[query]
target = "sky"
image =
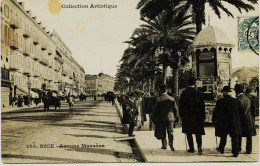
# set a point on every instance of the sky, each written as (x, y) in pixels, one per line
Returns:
(96, 36)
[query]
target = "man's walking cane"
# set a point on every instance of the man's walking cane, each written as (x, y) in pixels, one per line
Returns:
(217, 144)
(186, 141)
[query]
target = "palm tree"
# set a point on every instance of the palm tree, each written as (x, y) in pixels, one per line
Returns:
(171, 31)
(149, 9)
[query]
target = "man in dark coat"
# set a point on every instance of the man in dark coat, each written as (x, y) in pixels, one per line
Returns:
(247, 118)
(226, 117)
(150, 109)
(167, 110)
(131, 112)
(192, 112)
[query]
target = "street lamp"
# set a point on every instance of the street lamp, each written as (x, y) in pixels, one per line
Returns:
(29, 88)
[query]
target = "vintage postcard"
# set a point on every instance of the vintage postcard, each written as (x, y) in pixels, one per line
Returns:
(129, 81)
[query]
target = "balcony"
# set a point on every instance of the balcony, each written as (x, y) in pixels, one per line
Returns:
(64, 72)
(13, 66)
(58, 58)
(36, 57)
(26, 33)
(50, 52)
(36, 74)
(26, 52)
(70, 75)
(36, 40)
(43, 47)
(14, 45)
(27, 71)
(56, 68)
(44, 61)
(14, 23)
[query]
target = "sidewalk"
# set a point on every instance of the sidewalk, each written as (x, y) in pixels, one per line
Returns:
(10, 108)
(151, 151)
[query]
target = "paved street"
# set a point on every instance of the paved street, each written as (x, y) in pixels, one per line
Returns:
(96, 123)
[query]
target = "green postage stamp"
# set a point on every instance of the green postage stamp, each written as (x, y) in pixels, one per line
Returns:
(248, 33)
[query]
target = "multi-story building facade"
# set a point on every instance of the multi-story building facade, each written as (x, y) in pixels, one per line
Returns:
(99, 84)
(32, 57)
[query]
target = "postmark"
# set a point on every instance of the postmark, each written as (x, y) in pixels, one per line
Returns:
(248, 33)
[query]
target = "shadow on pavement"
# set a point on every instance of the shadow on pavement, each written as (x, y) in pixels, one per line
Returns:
(45, 158)
(93, 136)
(48, 117)
(103, 151)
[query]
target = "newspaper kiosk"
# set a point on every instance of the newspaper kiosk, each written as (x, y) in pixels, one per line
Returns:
(211, 64)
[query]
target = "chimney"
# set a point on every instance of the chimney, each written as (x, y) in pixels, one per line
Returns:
(29, 12)
(21, 4)
(40, 24)
(35, 18)
(45, 28)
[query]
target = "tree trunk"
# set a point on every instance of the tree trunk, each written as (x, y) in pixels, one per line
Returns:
(164, 74)
(199, 11)
(175, 76)
(198, 26)
(148, 85)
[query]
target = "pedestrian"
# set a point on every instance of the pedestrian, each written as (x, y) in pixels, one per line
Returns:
(131, 111)
(150, 108)
(192, 113)
(71, 102)
(247, 118)
(166, 109)
(19, 104)
(14, 101)
(226, 117)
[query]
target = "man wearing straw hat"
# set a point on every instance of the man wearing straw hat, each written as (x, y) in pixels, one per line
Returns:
(226, 117)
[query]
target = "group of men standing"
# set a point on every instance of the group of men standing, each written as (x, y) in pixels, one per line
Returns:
(231, 116)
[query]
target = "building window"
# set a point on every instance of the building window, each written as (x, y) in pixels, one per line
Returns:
(6, 59)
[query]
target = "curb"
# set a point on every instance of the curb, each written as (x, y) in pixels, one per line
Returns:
(120, 117)
(126, 128)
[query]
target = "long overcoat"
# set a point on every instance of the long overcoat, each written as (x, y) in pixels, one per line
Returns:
(226, 117)
(246, 117)
(130, 112)
(192, 111)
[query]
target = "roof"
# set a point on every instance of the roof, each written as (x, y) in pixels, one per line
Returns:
(211, 35)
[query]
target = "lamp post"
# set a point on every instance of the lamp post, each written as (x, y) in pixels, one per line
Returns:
(29, 88)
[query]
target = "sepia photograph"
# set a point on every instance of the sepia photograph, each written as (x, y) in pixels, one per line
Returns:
(130, 82)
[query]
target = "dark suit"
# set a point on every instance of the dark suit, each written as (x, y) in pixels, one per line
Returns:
(131, 112)
(167, 110)
(192, 112)
(247, 120)
(226, 117)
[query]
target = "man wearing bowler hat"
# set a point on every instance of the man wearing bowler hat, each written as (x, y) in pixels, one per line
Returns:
(226, 117)
(247, 118)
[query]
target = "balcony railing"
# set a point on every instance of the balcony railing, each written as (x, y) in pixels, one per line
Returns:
(58, 58)
(26, 52)
(14, 23)
(36, 40)
(26, 33)
(14, 44)
(36, 74)
(44, 61)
